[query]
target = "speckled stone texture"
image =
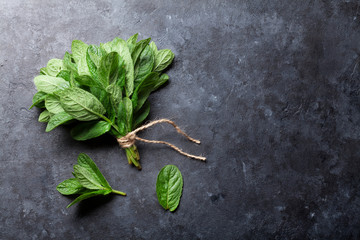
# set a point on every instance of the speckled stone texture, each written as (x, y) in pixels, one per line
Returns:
(270, 87)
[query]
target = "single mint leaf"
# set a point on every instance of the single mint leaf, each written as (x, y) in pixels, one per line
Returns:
(131, 42)
(44, 116)
(39, 100)
(169, 186)
(88, 130)
(79, 50)
(162, 80)
(86, 178)
(70, 186)
(54, 66)
(144, 89)
(121, 120)
(88, 81)
(49, 84)
(153, 47)
(82, 105)
(88, 195)
(109, 70)
(52, 104)
(58, 119)
(69, 62)
(115, 92)
(139, 47)
(129, 113)
(163, 59)
(86, 162)
(141, 114)
(144, 65)
(64, 74)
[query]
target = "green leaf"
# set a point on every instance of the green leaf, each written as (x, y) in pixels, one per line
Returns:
(109, 69)
(143, 90)
(87, 179)
(169, 186)
(88, 81)
(94, 54)
(141, 114)
(88, 195)
(139, 47)
(44, 116)
(163, 59)
(144, 66)
(69, 62)
(81, 104)
(93, 58)
(121, 121)
(49, 84)
(79, 50)
(43, 71)
(163, 79)
(131, 42)
(38, 100)
(104, 98)
(54, 66)
(120, 46)
(153, 47)
(64, 74)
(52, 104)
(70, 186)
(86, 162)
(115, 93)
(88, 130)
(129, 113)
(57, 120)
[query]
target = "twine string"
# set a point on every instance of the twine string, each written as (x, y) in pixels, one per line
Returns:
(129, 139)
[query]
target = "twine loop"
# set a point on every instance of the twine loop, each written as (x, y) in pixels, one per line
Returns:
(129, 139)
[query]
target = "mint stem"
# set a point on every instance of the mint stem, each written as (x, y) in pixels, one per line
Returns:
(118, 192)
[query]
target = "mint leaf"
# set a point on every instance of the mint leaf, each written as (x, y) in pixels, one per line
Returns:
(70, 186)
(86, 162)
(131, 42)
(52, 104)
(89, 195)
(163, 59)
(49, 84)
(169, 186)
(144, 65)
(39, 100)
(81, 104)
(58, 119)
(88, 130)
(44, 116)
(139, 47)
(54, 66)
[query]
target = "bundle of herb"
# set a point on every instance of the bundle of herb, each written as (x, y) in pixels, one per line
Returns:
(102, 89)
(88, 181)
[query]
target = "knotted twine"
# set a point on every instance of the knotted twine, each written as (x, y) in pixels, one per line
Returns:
(129, 139)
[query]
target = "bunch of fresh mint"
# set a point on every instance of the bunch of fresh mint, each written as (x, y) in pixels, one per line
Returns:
(102, 89)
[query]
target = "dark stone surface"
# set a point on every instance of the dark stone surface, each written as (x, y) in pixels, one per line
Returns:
(270, 87)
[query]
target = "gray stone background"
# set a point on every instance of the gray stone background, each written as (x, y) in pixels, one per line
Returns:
(270, 87)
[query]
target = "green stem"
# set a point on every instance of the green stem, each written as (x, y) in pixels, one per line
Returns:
(109, 121)
(133, 157)
(118, 192)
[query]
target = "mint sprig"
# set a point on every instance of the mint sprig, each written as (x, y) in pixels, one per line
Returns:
(88, 181)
